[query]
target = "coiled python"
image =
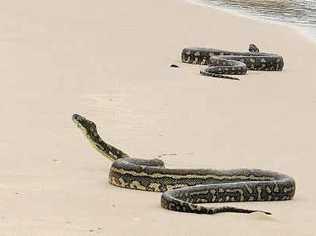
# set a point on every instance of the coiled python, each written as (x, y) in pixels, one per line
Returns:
(221, 62)
(184, 189)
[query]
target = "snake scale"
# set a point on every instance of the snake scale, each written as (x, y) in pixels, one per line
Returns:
(184, 189)
(220, 62)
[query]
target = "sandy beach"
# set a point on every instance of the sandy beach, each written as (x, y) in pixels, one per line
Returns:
(109, 61)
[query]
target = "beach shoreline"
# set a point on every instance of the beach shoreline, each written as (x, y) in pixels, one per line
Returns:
(309, 33)
(110, 62)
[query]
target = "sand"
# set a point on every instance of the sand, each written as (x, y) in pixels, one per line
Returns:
(109, 61)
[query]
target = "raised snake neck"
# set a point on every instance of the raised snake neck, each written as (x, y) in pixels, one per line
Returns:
(184, 189)
(221, 62)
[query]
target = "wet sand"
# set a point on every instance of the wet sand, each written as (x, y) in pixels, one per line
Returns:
(110, 62)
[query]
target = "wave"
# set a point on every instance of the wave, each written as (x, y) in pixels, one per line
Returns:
(300, 13)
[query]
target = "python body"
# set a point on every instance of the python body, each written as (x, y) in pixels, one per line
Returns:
(222, 62)
(184, 189)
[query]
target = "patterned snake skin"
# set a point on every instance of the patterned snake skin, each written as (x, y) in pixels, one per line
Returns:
(184, 189)
(232, 63)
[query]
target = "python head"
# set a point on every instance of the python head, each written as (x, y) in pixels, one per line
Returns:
(87, 126)
(90, 130)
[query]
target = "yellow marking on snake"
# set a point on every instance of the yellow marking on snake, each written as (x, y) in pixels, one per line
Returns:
(216, 177)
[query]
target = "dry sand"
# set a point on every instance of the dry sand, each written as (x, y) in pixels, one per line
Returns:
(109, 60)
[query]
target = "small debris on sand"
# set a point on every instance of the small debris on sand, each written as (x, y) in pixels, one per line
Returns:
(174, 66)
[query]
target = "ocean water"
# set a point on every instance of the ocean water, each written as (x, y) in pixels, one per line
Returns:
(300, 13)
